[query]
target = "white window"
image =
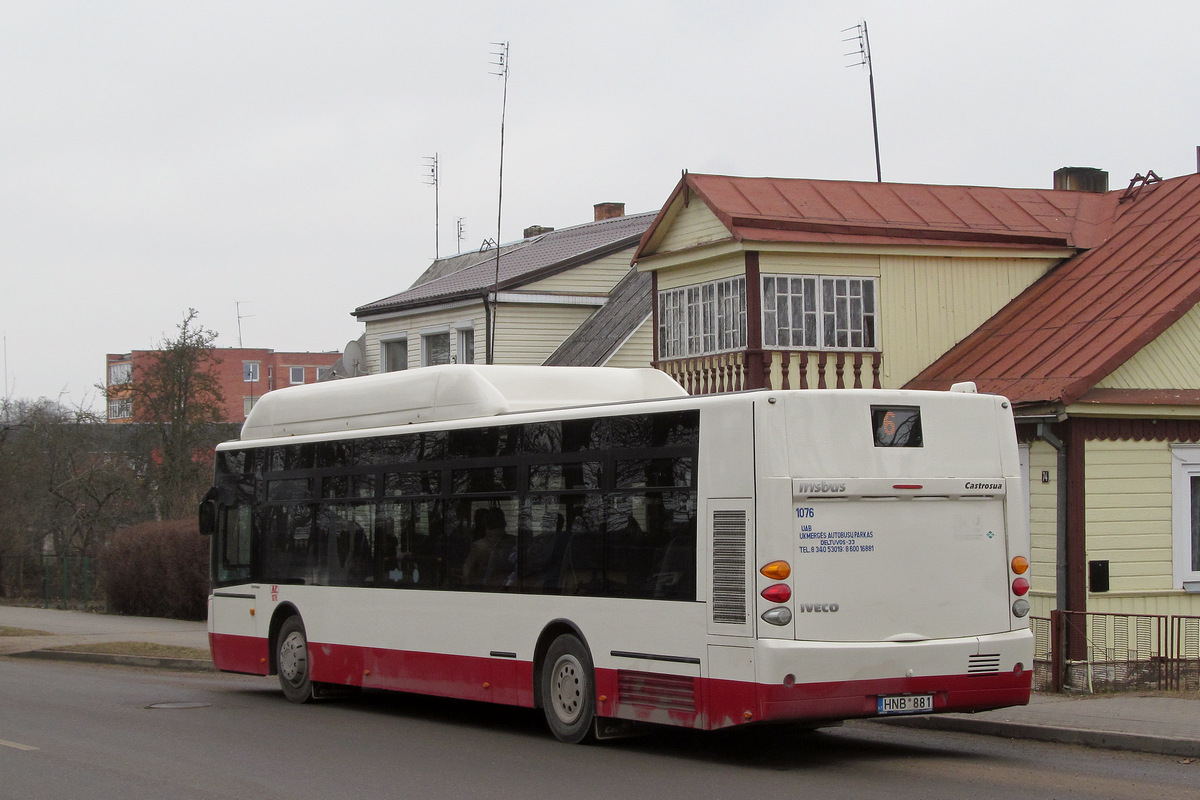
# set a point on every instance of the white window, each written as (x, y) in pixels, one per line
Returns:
(819, 312)
(324, 373)
(465, 350)
(848, 313)
(393, 355)
(119, 374)
(247, 404)
(1185, 515)
(296, 374)
(121, 408)
(435, 349)
(250, 371)
(706, 318)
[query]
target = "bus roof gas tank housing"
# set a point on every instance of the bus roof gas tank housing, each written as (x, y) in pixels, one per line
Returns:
(446, 392)
(897, 510)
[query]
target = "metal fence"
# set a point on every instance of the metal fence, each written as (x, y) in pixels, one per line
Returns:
(54, 581)
(1090, 652)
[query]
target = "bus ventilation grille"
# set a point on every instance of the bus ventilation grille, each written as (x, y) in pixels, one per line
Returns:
(729, 567)
(674, 692)
(983, 665)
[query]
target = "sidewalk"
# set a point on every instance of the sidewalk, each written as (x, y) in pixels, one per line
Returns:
(67, 628)
(1166, 724)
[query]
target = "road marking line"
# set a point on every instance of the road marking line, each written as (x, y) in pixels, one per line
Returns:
(17, 745)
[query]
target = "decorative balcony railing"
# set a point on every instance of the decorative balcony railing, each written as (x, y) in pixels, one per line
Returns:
(775, 369)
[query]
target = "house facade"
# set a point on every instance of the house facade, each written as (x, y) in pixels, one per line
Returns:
(516, 304)
(1102, 362)
(1077, 305)
(245, 374)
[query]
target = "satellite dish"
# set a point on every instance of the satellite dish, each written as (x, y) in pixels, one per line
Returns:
(352, 358)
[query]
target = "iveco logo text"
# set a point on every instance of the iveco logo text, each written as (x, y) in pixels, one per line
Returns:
(815, 487)
(812, 608)
(985, 486)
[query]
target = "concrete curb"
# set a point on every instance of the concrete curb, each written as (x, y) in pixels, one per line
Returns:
(1107, 740)
(152, 662)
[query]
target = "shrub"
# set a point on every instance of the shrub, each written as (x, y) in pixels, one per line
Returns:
(157, 569)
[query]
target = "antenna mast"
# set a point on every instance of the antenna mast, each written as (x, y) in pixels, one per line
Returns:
(431, 179)
(461, 224)
(863, 54)
(237, 307)
(500, 70)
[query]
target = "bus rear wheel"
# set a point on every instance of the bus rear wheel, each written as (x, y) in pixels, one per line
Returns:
(568, 689)
(291, 657)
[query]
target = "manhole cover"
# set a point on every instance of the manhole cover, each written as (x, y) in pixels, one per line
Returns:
(177, 706)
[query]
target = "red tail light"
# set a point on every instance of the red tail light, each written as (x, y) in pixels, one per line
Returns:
(1020, 586)
(777, 593)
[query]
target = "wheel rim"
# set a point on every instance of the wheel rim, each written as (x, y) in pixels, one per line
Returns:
(566, 690)
(293, 658)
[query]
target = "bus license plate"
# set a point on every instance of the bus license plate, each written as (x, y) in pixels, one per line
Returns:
(906, 704)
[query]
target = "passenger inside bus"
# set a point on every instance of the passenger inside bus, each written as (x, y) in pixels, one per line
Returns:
(488, 563)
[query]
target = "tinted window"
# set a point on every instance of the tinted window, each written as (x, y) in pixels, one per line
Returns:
(602, 506)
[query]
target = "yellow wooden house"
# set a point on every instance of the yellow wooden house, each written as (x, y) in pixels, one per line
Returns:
(1078, 305)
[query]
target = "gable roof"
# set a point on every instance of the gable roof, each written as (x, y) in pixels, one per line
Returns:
(471, 275)
(594, 342)
(849, 212)
(1061, 336)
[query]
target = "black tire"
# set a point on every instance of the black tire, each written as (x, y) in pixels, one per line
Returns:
(568, 690)
(291, 659)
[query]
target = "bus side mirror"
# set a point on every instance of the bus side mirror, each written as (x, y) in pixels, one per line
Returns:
(208, 513)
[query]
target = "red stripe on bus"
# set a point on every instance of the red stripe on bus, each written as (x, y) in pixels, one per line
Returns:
(717, 703)
(246, 654)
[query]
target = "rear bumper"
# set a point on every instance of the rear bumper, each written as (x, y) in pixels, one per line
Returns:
(838, 680)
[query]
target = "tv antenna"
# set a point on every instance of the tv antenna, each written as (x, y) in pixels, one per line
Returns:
(461, 224)
(863, 56)
(431, 179)
(499, 69)
(237, 306)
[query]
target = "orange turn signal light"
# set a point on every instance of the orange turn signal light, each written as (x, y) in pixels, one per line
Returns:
(1020, 565)
(777, 570)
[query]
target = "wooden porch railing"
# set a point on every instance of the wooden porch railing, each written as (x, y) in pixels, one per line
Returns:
(775, 369)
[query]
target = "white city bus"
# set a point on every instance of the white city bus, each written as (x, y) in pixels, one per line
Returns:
(598, 544)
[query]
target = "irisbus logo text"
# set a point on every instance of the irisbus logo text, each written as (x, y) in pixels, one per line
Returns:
(819, 487)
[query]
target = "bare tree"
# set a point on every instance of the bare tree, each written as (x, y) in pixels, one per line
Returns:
(176, 391)
(66, 480)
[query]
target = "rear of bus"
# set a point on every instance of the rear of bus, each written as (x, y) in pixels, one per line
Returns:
(890, 556)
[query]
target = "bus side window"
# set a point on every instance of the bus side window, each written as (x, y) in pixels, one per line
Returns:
(232, 564)
(491, 562)
(581, 570)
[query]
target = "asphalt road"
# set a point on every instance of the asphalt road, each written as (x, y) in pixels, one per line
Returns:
(87, 731)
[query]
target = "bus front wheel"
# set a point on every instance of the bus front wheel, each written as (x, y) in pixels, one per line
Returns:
(568, 689)
(291, 654)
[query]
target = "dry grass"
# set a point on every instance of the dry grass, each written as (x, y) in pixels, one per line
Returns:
(148, 649)
(6, 631)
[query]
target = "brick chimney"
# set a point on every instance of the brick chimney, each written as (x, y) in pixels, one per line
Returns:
(536, 230)
(1081, 179)
(609, 210)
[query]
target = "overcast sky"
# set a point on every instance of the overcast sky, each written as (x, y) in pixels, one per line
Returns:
(160, 156)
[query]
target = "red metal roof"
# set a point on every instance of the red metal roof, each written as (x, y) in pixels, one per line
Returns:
(1093, 312)
(849, 212)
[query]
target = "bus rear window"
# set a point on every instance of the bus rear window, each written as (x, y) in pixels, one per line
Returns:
(896, 426)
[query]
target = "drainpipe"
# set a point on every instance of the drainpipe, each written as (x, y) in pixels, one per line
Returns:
(1061, 573)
